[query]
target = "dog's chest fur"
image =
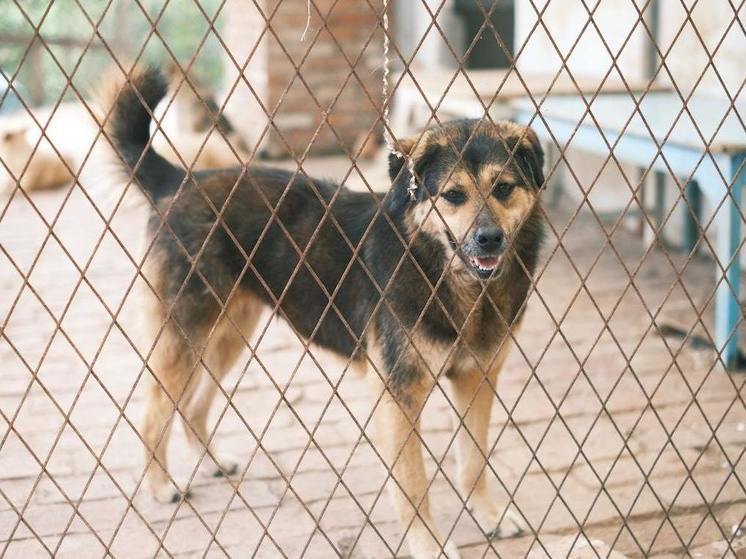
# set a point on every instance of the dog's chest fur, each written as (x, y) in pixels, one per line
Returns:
(483, 321)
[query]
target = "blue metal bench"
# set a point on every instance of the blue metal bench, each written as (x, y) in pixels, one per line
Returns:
(709, 156)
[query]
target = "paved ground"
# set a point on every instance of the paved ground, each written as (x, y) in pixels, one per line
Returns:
(606, 430)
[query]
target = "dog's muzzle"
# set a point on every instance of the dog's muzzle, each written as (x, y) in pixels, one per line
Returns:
(483, 253)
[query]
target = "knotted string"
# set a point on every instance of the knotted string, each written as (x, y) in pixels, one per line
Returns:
(308, 20)
(390, 143)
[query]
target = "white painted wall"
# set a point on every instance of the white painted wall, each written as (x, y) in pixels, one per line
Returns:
(413, 24)
(688, 57)
(566, 32)
(614, 20)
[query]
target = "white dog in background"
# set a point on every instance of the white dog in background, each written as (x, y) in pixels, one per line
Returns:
(34, 167)
(199, 137)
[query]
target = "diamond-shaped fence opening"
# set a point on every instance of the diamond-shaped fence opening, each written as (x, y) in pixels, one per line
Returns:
(261, 262)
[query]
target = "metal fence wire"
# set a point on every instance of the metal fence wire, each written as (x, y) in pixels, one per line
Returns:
(618, 422)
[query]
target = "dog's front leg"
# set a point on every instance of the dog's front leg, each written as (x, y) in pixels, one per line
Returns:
(473, 394)
(398, 440)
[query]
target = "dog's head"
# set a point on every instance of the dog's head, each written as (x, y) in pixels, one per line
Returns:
(477, 184)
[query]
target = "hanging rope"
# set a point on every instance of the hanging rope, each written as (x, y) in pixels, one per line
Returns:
(308, 21)
(390, 142)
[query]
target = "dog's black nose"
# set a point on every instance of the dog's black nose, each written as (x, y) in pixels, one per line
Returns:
(489, 238)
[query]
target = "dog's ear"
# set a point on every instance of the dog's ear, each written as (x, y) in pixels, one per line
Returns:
(530, 157)
(396, 161)
(399, 197)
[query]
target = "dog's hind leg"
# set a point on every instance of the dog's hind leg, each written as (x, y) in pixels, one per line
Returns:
(226, 343)
(172, 364)
(473, 394)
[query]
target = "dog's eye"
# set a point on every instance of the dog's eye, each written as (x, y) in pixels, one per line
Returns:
(502, 190)
(454, 196)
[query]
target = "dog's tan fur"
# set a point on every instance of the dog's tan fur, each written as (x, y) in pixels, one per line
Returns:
(200, 139)
(39, 169)
(198, 152)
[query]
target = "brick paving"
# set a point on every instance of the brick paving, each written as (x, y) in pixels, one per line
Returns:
(606, 431)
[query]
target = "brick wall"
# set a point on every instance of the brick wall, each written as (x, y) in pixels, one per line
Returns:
(323, 90)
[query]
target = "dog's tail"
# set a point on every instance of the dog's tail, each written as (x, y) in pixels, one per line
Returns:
(129, 102)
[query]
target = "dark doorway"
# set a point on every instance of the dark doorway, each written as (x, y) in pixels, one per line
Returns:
(487, 51)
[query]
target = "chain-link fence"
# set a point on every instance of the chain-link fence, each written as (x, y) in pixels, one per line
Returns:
(160, 212)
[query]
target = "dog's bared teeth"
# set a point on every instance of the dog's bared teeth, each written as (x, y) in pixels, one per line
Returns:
(486, 263)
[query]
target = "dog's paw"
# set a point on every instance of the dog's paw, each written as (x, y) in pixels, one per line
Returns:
(167, 493)
(450, 551)
(225, 469)
(512, 526)
(426, 547)
(224, 465)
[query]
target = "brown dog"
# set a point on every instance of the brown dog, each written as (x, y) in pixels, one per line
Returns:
(203, 137)
(415, 286)
(37, 168)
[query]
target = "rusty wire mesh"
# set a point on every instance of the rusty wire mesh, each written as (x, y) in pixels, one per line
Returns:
(609, 436)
